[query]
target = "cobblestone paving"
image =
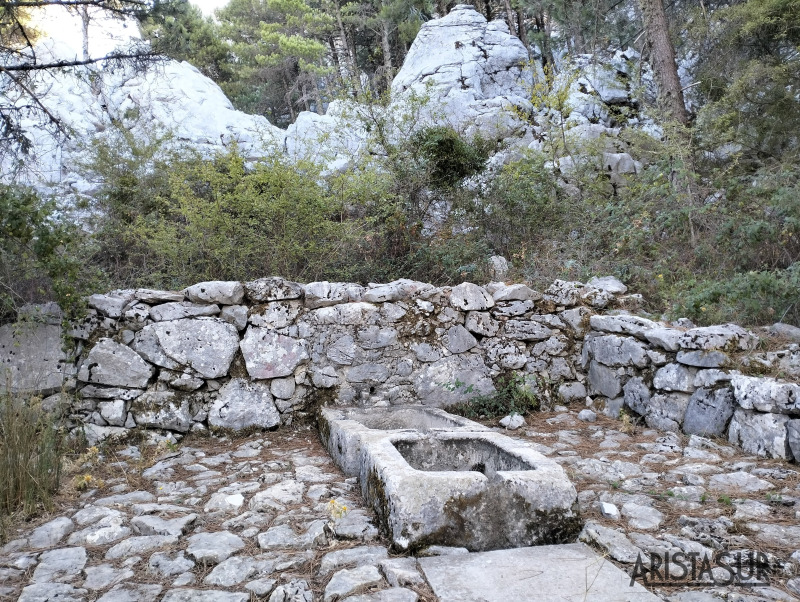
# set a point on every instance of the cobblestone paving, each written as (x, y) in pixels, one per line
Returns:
(269, 516)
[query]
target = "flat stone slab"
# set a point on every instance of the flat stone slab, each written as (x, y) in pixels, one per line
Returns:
(570, 572)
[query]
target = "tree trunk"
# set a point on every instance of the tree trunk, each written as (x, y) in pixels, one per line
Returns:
(387, 54)
(84, 12)
(662, 57)
(510, 18)
(522, 32)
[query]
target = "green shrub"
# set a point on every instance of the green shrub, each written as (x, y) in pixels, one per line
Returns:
(513, 395)
(450, 158)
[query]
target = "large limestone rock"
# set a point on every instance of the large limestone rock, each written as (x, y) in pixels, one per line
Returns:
(766, 394)
(271, 355)
(207, 345)
(764, 435)
(476, 71)
(110, 363)
(242, 404)
(31, 358)
(221, 292)
(453, 379)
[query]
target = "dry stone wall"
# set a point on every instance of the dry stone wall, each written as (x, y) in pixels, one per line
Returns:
(233, 355)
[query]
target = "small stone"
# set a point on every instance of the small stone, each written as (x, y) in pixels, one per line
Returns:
(613, 542)
(401, 572)
(587, 415)
(153, 525)
(206, 595)
(162, 563)
(350, 581)
(512, 422)
(132, 592)
(213, 548)
(134, 546)
(104, 576)
(49, 534)
(642, 518)
(59, 565)
(394, 594)
(609, 510)
(50, 592)
(359, 556)
(738, 482)
(224, 502)
(224, 293)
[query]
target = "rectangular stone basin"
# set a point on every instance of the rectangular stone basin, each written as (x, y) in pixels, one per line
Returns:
(437, 479)
(479, 490)
(344, 430)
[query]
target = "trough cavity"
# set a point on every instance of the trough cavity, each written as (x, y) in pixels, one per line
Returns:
(458, 485)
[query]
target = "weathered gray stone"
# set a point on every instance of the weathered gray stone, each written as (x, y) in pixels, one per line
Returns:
(91, 391)
(525, 330)
(604, 380)
(213, 548)
(104, 576)
(780, 536)
(278, 496)
(283, 536)
(458, 339)
(506, 575)
(271, 355)
(236, 315)
(151, 296)
(122, 500)
(105, 531)
(703, 359)
(665, 338)
(296, 590)
(136, 546)
(154, 525)
(623, 324)
(642, 518)
(452, 380)
(611, 541)
(31, 358)
(110, 363)
(395, 291)
(282, 388)
(667, 411)
(401, 572)
(204, 595)
(709, 378)
(637, 395)
(221, 292)
(786, 331)
(394, 594)
(358, 556)
(164, 563)
(708, 412)
(375, 337)
(587, 415)
(236, 570)
(324, 378)
(564, 293)
(352, 314)
(764, 435)
(276, 314)
(512, 422)
(571, 391)
(470, 297)
(111, 305)
(50, 533)
(482, 323)
(181, 310)
(59, 565)
(242, 403)
(350, 581)
(132, 592)
(766, 394)
(206, 344)
(609, 284)
(272, 289)
(326, 294)
(516, 292)
(674, 377)
(368, 373)
(793, 434)
(52, 592)
(162, 409)
(612, 350)
(738, 483)
(725, 337)
(113, 412)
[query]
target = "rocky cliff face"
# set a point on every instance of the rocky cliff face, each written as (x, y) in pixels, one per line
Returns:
(472, 74)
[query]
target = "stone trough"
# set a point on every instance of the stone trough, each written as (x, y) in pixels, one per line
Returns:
(434, 478)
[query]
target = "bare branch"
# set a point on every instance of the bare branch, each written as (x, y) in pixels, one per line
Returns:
(33, 96)
(62, 64)
(105, 4)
